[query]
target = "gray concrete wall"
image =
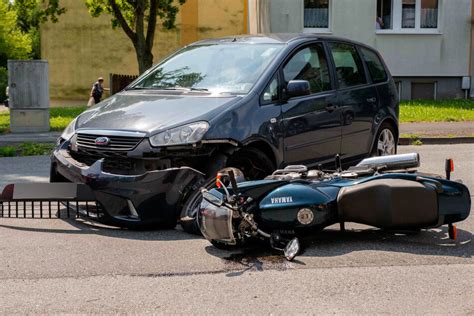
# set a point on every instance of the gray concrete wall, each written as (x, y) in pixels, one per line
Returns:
(286, 16)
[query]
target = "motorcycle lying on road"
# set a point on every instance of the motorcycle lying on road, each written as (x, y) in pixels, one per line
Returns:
(385, 192)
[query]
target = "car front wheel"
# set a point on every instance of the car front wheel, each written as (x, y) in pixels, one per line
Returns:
(252, 162)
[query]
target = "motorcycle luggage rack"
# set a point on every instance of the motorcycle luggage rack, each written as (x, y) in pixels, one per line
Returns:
(48, 201)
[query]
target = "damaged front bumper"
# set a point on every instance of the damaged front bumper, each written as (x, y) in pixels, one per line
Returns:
(152, 198)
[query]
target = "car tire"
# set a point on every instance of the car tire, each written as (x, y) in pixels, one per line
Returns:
(188, 220)
(385, 141)
(252, 162)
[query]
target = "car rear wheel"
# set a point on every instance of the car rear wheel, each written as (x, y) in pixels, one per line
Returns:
(252, 162)
(386, 141)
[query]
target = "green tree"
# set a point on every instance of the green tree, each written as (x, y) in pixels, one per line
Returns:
(14, 44)
(31, 13)
(138, 19)
(19, 31)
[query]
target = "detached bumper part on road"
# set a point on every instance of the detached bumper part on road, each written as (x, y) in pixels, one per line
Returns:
(151, 199)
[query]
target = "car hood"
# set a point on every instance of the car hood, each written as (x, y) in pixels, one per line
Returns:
(152, 112)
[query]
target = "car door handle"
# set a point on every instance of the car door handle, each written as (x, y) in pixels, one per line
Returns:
(372, 100)
(331, 107)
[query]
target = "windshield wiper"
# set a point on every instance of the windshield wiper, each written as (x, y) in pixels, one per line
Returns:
(137, 88)
(185, 89)
(169, 88)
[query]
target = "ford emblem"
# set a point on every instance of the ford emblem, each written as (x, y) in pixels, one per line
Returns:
(102, 141)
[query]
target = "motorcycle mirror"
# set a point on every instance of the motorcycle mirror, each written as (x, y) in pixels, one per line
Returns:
(292, 249)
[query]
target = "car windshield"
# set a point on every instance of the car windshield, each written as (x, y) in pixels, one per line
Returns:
(217, 68)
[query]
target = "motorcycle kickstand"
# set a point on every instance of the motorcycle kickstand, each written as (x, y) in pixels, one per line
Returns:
(452, 231)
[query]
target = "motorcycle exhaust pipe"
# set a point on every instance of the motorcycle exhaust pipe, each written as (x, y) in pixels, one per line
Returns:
(392, 162)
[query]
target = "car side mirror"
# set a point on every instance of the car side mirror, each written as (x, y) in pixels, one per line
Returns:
(297, 88)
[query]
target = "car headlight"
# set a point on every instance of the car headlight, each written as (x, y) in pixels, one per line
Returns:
(186, 134)
(70, 130)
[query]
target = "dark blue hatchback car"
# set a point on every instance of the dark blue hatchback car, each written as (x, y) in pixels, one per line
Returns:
(253, 102)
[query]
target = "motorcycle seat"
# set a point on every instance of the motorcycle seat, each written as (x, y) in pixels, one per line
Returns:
(389, 203)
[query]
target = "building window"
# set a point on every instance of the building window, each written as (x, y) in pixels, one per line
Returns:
(316, 15)
(418, 16)
(429, 14)
(384, 14)
(408, 14)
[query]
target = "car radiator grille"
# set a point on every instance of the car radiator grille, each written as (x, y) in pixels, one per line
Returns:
(113, 161)
(114, 153)
(117, 143)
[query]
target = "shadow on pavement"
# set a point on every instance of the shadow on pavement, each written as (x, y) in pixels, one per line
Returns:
(85, 227)
(330, 243)
(333, 243)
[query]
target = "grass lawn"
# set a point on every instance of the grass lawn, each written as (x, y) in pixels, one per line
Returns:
(59, 118)
(26, 149)
(437, 111)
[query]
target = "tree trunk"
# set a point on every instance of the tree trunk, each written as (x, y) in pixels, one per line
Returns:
(145, 60)
(144, 57)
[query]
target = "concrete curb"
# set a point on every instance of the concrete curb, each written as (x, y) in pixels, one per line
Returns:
(437, 140)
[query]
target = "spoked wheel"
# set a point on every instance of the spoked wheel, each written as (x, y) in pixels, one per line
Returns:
(252, 162)
(386, 143)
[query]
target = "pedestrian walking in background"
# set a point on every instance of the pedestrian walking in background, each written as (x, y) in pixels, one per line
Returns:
(97, 91)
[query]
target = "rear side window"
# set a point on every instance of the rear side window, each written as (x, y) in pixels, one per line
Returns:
(349, 67)
(309, 64)
(375, 65)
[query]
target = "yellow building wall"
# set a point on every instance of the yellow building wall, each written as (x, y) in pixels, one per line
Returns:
(80, 48)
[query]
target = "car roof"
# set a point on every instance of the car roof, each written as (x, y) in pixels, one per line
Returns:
(273, 38)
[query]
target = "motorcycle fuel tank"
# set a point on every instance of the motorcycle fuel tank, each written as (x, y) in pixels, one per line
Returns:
(298, 205)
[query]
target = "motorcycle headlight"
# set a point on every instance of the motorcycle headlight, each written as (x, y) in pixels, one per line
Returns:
(69, 131)
(186, 134)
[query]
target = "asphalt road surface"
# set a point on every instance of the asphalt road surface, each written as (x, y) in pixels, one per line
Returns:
(72, 266)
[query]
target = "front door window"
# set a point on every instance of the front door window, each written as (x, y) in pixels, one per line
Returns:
(309, 64)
